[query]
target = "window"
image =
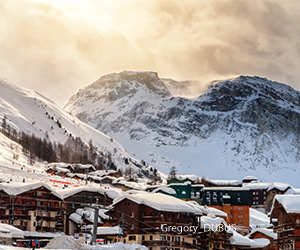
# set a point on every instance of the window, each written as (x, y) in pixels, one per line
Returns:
(132, 227)
(39, 193)
(231, 216)
(240, 208)
(131, 214)
(122, 215)
(143, 237)
(151, 237)
(240, 216)
(132, 238)
(240, 224)
(297, 221)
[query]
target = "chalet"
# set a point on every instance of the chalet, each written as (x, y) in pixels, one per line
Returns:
(83, 217)
(108, 172)
(77, 197)
(142, 214)
(286, 211)
(264, 233)
(31, 207)
(84, 169)
(61, 165)
(216, 234)
(234, 202)
(107, 235)
(57, 171)
(264, 192)
(184, 178)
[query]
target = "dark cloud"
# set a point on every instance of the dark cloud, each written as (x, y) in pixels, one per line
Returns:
(48, 47)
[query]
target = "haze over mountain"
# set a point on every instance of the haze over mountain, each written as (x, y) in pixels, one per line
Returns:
(237, 127)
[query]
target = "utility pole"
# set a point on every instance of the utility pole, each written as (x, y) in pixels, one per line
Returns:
(96, 214)
(95, 225)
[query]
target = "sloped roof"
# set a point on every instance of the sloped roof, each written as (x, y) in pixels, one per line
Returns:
(16, 188)
(290, 203)
(67, 192)
(160, 202)
(265, 231)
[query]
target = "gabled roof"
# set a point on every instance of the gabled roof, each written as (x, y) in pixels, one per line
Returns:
(290, 203)
(157, 201)
(16, 188)
(70, 191)
(207, 210)
(265, 231)
(254, 185)
(60, 165)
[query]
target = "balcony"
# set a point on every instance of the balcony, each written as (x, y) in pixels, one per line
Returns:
(156, 242)
(15, 217)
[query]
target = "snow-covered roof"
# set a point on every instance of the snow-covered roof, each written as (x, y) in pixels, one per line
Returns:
(266, 185)
(16, 188)
(14, 232)
(34, 234)
(224, 182)
(77, 216)
(166, 190)
(265, 231)
(290, 203)
(67, 192)
(58, 169)
(102, 173)
(238, 240)
(87, 166)
(207, 210)
(293, 191)
(109, 230)
(60, 165)
(158, 201)
(249, 178)
(212, 223)
(258, 219)
(225, 188)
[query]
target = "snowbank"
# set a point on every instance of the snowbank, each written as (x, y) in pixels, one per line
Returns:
(68, 242)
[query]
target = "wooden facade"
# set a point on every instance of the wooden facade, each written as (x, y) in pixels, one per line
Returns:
(288, 221)
(33, 210)
(144, 224)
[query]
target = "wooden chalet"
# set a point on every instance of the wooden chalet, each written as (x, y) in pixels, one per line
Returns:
(264, 192)
(78, 197)
(31, 207)
(264, 233)
(286, 212)
(141, 215)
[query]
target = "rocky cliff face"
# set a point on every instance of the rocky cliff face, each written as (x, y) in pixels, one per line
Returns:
(241, 126)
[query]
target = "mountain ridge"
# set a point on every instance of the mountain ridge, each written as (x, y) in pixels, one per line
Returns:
(249, 125)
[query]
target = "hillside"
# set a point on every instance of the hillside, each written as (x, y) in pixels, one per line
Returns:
(236, 127)
(24, 110)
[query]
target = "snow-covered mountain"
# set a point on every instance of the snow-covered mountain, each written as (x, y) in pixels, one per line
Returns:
(27, 111)
(237, 127)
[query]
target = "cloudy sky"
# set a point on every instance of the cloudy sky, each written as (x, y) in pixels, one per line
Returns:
(59, 46)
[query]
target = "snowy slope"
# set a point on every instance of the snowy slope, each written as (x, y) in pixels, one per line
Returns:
(237, 127)
(32, 113)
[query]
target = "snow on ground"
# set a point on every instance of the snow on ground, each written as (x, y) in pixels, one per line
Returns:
(68, 242)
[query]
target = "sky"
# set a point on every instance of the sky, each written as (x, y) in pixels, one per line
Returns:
(57, 47)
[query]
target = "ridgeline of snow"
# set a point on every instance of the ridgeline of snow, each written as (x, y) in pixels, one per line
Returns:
(237, 127)
(32, 113)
